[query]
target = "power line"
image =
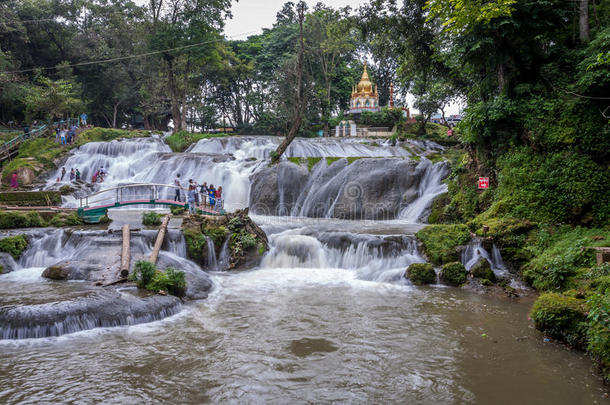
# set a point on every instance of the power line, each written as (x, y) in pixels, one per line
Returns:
(94, 62)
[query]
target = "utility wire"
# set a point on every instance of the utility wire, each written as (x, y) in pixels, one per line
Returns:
(94, 62)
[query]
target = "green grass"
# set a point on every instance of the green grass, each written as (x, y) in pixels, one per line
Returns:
(181, 140)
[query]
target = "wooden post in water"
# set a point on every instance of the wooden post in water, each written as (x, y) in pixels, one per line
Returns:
(160, 236)
(125, 254)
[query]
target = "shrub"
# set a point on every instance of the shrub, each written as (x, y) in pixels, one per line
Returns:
(482, 270)
(65, 190)
(170, 280)
(454, 274)
(143, 273)
(73, 219)
(421, 273)
(216, 233)
(560, 317)
(440, 242)
(240, 242)
(599, 330)
(177, 210)
(13, 219)
(15, 245)
(195, 243)
(151, 218)
(551, 187)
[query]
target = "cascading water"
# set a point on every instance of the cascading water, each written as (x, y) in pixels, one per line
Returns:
(381, 258)
(475, 251)
(384, 184)
(34, 306)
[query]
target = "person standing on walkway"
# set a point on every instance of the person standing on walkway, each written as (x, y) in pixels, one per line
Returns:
(63, 173)
(177, 184)
(14, 181)
(203, 190)
(83, 119)
(192, 194)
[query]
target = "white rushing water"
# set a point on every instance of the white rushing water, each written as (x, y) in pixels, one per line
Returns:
(231, 161)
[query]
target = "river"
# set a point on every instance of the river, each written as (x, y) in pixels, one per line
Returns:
(327, 316)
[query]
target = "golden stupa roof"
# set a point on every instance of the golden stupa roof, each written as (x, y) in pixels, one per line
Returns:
(364, 87)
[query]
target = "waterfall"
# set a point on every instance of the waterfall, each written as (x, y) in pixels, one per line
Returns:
(386, 184)
(369, 257)
(430, 187)
(475, 251)
(223, 260)
(212, 262)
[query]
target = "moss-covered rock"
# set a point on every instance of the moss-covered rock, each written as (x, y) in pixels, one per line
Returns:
(482, 269)
(440, 242)
(14, 245)
(31, 198)
(561, 317)
(16, 219)
(454, 274)
(247, 242)
(421, 273)
(56, 272)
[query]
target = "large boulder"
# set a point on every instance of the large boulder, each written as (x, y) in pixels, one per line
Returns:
(482, 269)
(421, 273)
(454, 274)
(366, 188)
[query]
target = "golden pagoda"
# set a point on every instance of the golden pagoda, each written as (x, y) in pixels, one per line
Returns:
(363, 96)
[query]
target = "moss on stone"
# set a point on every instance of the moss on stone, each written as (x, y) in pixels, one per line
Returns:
(16, 219)
(440, 242)
(482, 269)
(421, 273)
(438, 208)
(561, 317)
(14, 245)
(453, 274)
(31, 198)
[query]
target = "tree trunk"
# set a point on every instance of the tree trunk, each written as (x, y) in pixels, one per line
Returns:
(584, 21)
(296, 123)
(173, 93)
(114, 114)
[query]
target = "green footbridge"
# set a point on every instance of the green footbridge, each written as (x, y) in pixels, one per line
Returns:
(94, 206)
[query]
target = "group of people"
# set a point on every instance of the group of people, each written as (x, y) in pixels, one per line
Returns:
(65, 135)
(200, 195)
(98, 176)
(74, 175)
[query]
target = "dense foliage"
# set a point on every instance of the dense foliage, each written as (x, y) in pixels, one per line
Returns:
(147, 276)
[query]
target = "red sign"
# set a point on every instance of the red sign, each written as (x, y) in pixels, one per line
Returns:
(450, 132)
(483, 182)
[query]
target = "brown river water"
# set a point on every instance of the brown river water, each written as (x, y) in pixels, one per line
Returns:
(308, 335)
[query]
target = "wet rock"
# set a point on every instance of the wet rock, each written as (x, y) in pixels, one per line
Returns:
(482, 269)
(367, 188)
(100, 308)
(245, 240)
(421, 273)
(454, 274)
(7, 263)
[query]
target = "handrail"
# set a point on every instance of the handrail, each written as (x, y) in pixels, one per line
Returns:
(33, 134)
(134, 185)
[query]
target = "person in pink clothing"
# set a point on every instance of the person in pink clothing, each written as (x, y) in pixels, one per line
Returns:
(14, 181)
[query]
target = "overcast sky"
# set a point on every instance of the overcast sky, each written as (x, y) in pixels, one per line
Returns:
(251, 16)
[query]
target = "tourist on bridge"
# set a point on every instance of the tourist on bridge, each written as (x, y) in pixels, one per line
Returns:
(177, 184)
(218, 197)
(14, 181)
(203, 190)
(212, 195)
(72, 174)
(63, 173)
(192, 195)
